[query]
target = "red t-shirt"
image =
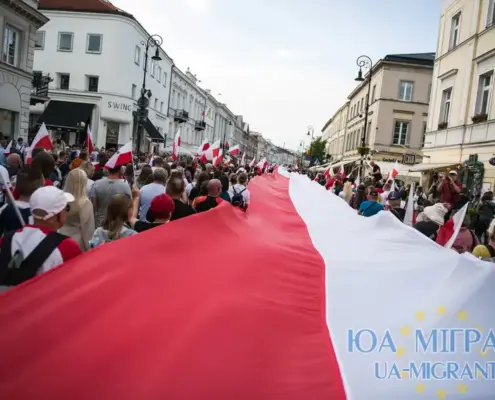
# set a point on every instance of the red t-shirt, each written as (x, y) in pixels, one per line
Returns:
(448, 195)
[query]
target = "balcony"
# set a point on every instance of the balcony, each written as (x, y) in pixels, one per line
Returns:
(200, 126)
(39, 87)
(461, 135)
(181, 116)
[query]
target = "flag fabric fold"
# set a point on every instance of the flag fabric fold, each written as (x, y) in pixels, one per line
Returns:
(176, 146)
(123, 156)
(42, 139)
(279, 323)
(234, 150)
(89, 140)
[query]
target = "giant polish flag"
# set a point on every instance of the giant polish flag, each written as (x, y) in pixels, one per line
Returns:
(42, 139)
(295, 319)
(122, 157)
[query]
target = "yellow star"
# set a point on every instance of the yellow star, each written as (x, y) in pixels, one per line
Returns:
(462, 388)
(483, 353)
(420, 315)
(441, 310)
(400, 351)
(404, 375)
(405, 330)
(420, 388)
(442, 394)
(462, 315)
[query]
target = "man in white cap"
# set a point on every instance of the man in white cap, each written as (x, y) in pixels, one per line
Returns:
(39, 247)
(449, 189)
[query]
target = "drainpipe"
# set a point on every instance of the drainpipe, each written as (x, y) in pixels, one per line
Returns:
(169, 92)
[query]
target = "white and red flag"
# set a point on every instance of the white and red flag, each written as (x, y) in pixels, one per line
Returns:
(243, 160)
(448, 233)
(262, 164)
(8, 148)
(123, 156)
(342, 171)
(202, 148)
(294, 316)
(176, 146)
(251, 164)
(234, 150)
(89, 140)
(213, 151)
(42, 139)
(218, 159)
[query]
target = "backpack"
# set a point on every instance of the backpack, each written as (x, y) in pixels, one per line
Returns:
(237, 198)
(15, 269)
(421, 200)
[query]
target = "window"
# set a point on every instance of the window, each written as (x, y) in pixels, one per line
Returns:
(159, 74)
(64, 81)
(446, 102)
(137, 55)
(429, 94)
(454, 30)
(161, 107)
(93, 83)
(39, 41)
(152, 71)
(406, 91)
(491, 14)
(400, 132)
(424, 135)
(11, 45)
(133, 91)
(165, 79)
(373, 93)
(93, 44)
(65, 40)
(156, 104)
(484, 93)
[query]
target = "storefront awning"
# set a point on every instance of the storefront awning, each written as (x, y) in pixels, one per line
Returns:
(346, 161)
(430, 166)
(66, 114)
(151, 130)
(404, 170)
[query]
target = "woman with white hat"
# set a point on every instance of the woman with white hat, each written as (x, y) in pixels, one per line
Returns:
(433, 219)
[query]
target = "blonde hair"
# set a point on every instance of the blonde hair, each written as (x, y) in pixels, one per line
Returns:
(89, 168)
(347, 190)
(76, 183)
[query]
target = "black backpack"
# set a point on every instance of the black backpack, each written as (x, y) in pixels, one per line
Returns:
(237, 198)
(15, 269)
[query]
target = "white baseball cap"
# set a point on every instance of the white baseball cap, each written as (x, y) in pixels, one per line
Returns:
(50, 200)
(453, 172)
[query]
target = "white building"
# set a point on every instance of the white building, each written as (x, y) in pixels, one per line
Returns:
(96, 54)
(19, 20)
(461, 117)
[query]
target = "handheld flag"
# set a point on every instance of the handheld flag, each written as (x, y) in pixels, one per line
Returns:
(122, 157)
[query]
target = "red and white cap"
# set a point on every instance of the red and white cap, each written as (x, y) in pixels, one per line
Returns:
(50, 200)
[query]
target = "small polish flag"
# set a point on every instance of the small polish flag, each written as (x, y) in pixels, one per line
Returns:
(122, 157)
(89, 140)
(42, 139)
(409, 216)
(176, 146)
(243, 159)
(202, 148)
(342, 171)
(234, 151)
(448, 233)
(7, 149)
(251, 164)
(328, 172)
(218, 159)
(262, 164)
(213, 151)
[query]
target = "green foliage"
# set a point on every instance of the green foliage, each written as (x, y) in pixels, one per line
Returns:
(317, 149)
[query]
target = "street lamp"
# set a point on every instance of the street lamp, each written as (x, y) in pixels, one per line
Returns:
(364, 62)
(143, 101)
(311, 132)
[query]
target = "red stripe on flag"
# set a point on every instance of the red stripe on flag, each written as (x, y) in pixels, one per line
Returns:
(445, 232)
(112, 325)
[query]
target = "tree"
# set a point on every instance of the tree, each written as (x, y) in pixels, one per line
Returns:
(317, 150)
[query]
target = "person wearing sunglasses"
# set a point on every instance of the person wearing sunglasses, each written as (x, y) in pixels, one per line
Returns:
(37, 248)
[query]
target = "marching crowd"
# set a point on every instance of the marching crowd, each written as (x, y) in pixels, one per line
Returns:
(432, 208)
(66, 201)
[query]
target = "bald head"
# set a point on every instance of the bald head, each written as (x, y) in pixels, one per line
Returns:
(214, 188)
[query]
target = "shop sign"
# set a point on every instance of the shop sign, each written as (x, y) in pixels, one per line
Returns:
(119, 106)
(391, 160)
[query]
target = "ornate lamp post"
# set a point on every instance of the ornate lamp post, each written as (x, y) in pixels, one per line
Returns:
(143, 101)
(364, 62)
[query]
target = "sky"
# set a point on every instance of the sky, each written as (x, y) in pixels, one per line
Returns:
(285, 65)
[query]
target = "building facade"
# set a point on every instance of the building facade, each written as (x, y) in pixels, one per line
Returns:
(19, 21)
(461, 120)
(95, 54)
(334, 132)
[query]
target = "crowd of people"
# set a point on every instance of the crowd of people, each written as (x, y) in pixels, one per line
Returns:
(432, 207)
(67, 201)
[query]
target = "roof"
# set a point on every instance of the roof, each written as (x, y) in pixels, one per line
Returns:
(413, 58)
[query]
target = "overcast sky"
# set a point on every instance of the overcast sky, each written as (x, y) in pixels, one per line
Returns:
(285, 64)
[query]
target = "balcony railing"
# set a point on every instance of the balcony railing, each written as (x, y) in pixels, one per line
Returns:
(181, 116)
(40, 84)
(200, 126)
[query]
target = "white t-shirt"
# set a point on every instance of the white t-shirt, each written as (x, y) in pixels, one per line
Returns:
(238, 189)
(189, 187)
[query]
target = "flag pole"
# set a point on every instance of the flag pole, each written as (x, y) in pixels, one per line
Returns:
(12, 201)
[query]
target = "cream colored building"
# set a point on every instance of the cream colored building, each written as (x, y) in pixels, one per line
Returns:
(463, 87)
(334, 132)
